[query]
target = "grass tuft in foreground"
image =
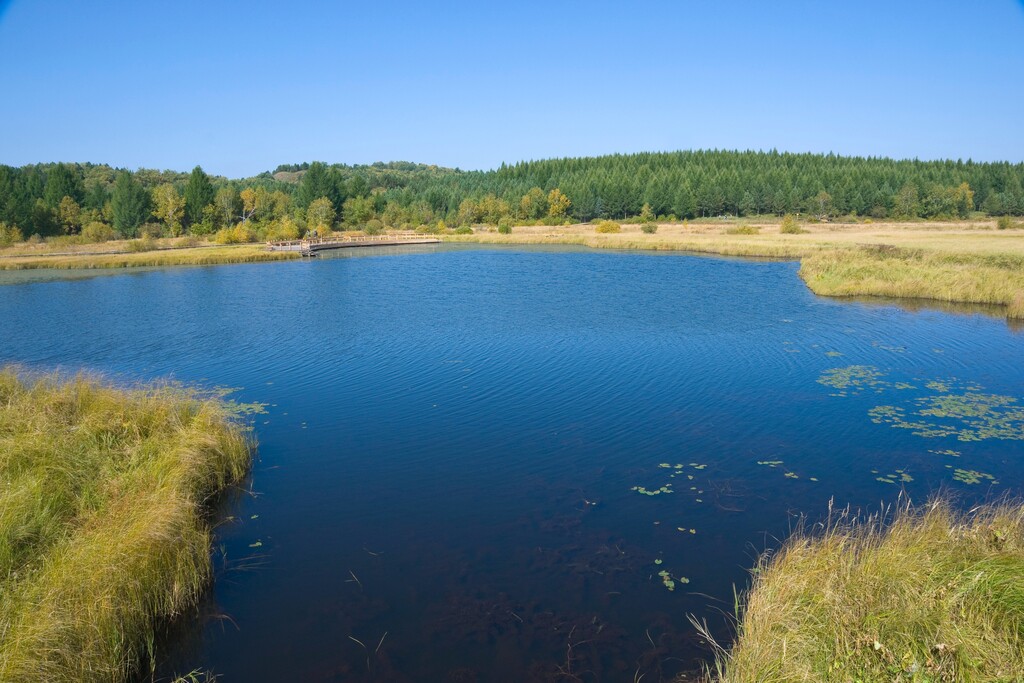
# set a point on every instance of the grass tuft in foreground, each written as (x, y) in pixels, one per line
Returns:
(920, 595)
(102, 530)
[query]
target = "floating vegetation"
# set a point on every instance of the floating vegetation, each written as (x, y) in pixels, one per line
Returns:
(833, 354)
(903, 385)
(669, 581)
(887, 347)
(853, 379)
(968, 417)
(789, 474)
(667, 488)
(899, 476)
(972, 476)
(947, 451)
(937, 385)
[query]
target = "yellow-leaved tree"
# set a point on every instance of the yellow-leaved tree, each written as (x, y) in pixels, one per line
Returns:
(169, 207)
(558, 204)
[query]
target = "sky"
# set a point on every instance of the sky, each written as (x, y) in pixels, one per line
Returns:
(240, 87)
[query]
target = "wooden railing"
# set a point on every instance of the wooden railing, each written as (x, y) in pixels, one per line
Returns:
(348, 238)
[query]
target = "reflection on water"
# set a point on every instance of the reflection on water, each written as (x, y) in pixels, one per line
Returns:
(526, 464)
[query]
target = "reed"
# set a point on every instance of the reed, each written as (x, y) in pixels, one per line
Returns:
(925, 594)
(102, 528)
(907, 273)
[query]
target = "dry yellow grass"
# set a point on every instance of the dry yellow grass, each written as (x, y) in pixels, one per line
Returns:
(102, 529)
(195, 256)
(929, 595)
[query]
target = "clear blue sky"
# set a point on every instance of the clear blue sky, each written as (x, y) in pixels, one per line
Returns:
(242, 86)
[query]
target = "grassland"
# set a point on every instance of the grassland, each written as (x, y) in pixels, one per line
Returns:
(118, 255)
(965, 262)
(103, 493)
(928, 595)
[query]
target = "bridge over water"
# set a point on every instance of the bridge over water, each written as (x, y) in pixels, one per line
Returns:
(309, 247)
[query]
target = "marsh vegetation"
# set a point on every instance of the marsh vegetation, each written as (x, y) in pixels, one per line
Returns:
(103, 528)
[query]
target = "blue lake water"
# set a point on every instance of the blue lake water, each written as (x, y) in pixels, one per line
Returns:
(458, 440)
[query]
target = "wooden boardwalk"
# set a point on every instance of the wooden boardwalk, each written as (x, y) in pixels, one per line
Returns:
(309, 247)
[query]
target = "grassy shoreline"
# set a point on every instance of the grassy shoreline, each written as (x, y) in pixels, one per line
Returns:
(958, 262)
(187, 256)
(967, 262)
(103, 534)
(921, 595)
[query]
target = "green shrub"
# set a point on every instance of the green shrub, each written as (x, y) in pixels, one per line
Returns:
(466, 230)
(505, 228)
(743, 230)
(283, 230)
(240, 234)
(649, 228)
(98, 231)
(9, 234)
(608, 227)
(790, 226)
(373, 227)
(144, 243)
(1007, 223)
(154, 230)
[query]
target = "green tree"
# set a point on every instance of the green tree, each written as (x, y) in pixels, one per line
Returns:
(319, 181)
(62, 181)
(357, 210)
(198, 193)
(320, 215)
(228, 205)
(647, 214)
(906, 204)
(130, 204)
(821, 206)
(69, 213)
(169, 207)
(533, 204)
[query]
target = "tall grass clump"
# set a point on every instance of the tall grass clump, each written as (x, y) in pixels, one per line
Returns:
(743, 230)
(916, 595)
(1007, 223)
(608, 227)
(789, 226)
(908, 273)
(102, 528)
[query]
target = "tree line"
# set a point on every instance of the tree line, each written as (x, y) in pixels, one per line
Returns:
(97, 202)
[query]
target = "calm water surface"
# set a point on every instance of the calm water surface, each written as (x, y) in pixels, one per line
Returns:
(453, 437)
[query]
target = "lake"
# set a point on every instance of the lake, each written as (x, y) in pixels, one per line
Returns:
(529, 464)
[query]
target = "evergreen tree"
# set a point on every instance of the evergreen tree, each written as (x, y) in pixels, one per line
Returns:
(198, 193)
(62, 181)
(319, 181)
(130, 204)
